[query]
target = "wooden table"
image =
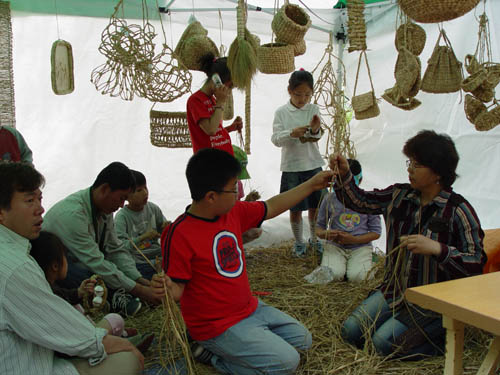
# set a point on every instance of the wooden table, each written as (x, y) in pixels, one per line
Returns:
(472, 300)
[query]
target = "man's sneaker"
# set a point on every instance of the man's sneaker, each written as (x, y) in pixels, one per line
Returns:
(299, 249)
(125, 304)
(201, 354)
(316, 246)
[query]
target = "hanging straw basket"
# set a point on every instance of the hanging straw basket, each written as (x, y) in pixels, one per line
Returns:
(473, 108)
(485, 95)
(432, 11)
(475, 80)
(169, 129)
(290, 24)
(487, 120)
(193, 29)
(411, 36)
(298, 48)
(275, 58)
(194, 49)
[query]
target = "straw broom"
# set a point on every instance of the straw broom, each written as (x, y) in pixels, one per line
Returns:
(173, 331)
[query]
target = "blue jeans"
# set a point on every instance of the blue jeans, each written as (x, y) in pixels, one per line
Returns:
(264, 343)
(375, 315)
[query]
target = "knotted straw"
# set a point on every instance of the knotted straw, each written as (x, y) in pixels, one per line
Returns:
(330, 98)
(173, 334)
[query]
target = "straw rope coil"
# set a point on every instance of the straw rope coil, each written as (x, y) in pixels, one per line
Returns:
(276, 58)
(356, 25)
(290, 24)
(7, 103)
(444, 72)
(431, 11)
(169, 129)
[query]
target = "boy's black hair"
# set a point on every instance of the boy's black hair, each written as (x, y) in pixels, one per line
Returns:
(354, 166)
(117, 175)
(20, 177)
(299, 77)
(48, 249)
(210, 64)
(140, 179)
(435, 151)
(210, 169)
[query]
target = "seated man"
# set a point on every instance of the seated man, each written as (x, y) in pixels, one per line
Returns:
(141, 222)
(84, 223)
(348, 234)
(35, 323)
(205, 263)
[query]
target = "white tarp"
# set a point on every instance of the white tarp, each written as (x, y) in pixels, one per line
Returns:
(74, 136)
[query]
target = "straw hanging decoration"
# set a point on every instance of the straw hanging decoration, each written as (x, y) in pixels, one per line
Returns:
(248, 99)
(364, 105)
(356, 25)
(330, 98)
(290, 24)
(169, 129)
(431, 11)
(242, 56)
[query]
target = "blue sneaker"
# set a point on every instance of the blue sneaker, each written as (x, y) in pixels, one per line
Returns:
(316, 246)
(299, 250)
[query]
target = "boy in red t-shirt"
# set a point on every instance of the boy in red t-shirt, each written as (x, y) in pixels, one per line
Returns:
(206, 270)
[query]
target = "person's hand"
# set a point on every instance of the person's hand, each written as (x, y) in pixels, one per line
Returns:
(143, 281)
(149, 235)
(419, 244)
(236, 125)
(345, 238)
(321, 180)
(315, 124)
(340, 164)
(221, 93)
(299, 131)
(158, 282)
(331, 235)
(87, 286)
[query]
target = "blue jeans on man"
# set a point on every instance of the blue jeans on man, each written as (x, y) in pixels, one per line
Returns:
(265, 342)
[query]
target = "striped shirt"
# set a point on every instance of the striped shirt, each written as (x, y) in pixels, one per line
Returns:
(34, 323)
(448, 219)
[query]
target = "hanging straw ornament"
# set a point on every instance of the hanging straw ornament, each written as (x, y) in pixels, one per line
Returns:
(444, 71)
(431, 11)
(248, 99)
(290, 24)
(364, 105)
(169, 129)
(242, 56)
(330, 98)
(410, 36)
(228, 110)
(487, 120)
(61, 62)
(356, 25)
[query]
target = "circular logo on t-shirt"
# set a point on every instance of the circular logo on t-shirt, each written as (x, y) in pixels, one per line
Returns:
(227, 255)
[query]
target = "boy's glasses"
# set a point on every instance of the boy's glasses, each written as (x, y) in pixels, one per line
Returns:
(235, 191)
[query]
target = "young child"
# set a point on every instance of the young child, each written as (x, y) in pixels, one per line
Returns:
(296, 129)
(50, 254)
(142, 222)
(348, 235)
(206, 270)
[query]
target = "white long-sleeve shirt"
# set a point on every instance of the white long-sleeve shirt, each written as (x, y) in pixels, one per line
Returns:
(295, 155)
(34, 323)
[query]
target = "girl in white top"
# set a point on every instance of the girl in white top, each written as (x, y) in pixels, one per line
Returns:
(296, 129)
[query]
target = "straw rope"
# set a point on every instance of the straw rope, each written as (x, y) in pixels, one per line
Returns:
(7, 103)
(248, 99)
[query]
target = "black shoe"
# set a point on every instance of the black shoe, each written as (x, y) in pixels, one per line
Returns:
(201, 354)
(124, 303)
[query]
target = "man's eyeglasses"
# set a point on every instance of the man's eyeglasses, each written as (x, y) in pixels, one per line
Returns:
(413, 164)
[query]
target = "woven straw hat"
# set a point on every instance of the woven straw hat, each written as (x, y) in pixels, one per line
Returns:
(431, 11)
(194, 49)
(410, 36)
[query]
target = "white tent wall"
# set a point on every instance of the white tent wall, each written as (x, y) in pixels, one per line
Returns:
(74, 136)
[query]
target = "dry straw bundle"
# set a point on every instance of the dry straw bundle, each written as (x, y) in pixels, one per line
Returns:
(242, 56)
(356, 25)
(330, 98)
(364, 105)
(444, 71)
(169, 129)
(431, 11)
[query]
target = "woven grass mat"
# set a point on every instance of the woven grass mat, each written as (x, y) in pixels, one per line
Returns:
(322, 309)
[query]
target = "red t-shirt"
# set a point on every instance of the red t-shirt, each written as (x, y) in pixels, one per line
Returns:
(200, 106)
(207, 255)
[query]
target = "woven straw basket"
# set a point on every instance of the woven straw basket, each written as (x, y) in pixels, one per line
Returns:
(411, 36)
(432, 11)
(193, 29)
(485, 95)
(488, 120)
(475, 80)
(493, 76)
(393, 97)
(275, 58)
(169, 129)
(298, 48)
(290, 24)
(473, 108)
(407, 72)
(194, 49)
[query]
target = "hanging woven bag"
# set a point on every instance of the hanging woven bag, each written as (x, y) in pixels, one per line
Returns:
(290, 24)
(229, 107)
(475, 80)
(406, 72)
(432, 11)
(493, 75)
(444, 71)
(364, 105)
(411, 36)
(487, 120)
(473, 108)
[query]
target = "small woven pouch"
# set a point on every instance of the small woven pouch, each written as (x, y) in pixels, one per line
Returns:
(473, 107)
(364, 105)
